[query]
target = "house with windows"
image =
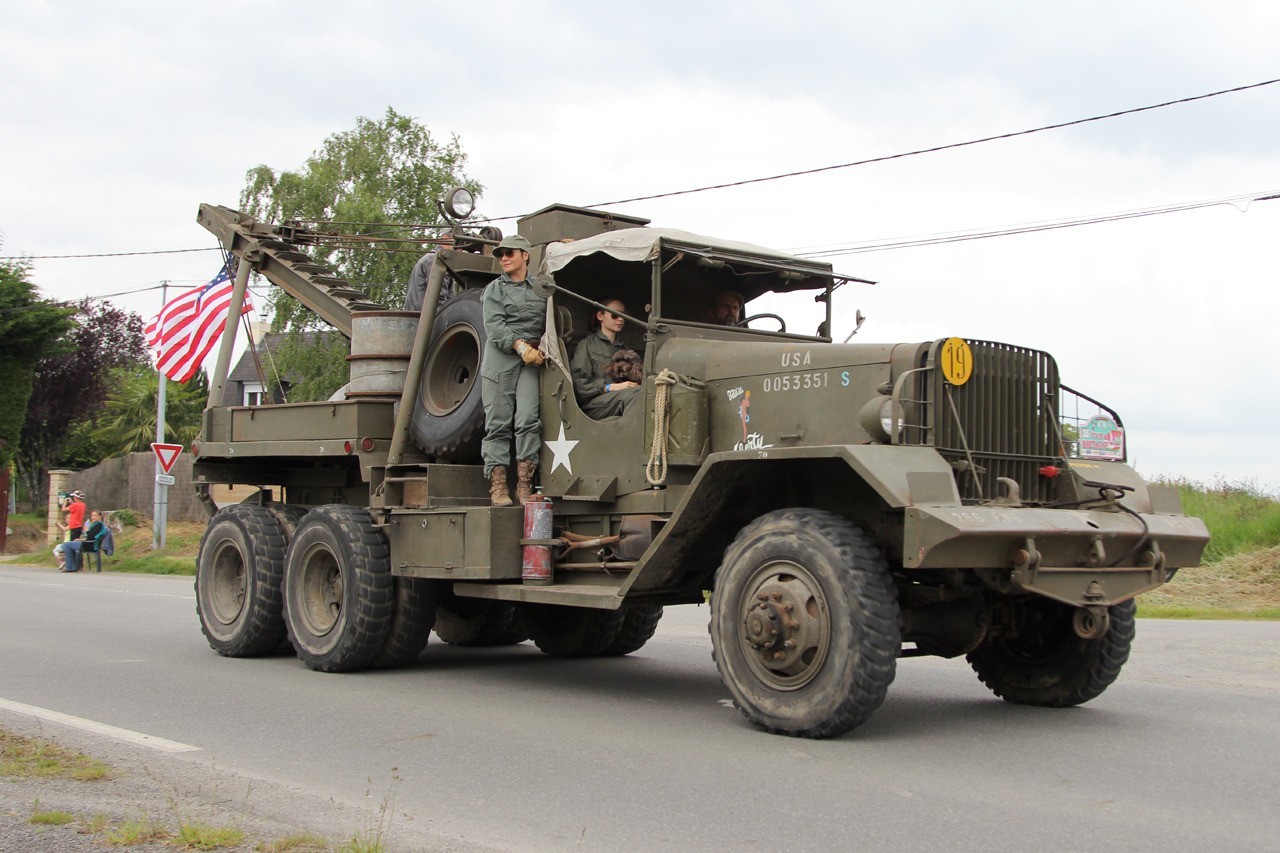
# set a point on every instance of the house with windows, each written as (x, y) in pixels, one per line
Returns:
(245, 384)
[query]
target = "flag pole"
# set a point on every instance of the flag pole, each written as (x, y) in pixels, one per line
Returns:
(219, 380)
(160, 515)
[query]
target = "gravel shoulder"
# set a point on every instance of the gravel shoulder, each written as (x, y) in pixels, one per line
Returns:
(173, 790)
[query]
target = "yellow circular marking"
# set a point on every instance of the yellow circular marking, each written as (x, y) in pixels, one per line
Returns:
(956, 360)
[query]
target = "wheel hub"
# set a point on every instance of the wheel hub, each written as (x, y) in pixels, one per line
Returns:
(785, 628)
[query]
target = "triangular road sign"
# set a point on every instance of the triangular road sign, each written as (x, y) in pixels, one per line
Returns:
(167, 454)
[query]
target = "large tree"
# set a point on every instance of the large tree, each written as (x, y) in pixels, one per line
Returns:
(376, 180)
(71, 386)
(30, 328)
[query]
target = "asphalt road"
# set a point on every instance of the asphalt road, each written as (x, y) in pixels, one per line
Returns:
(509, 749)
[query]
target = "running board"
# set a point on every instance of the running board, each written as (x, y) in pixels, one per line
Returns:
(567, 594)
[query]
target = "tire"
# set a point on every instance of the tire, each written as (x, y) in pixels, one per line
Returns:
(448, 416)
(823, 588)
(287, 516)
(339, 595)
(571, 632)
(468, 622)
(1045, 663)
(411, 622)
(238, 574)
(638, 625)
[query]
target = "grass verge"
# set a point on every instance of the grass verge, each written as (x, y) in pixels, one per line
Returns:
(31, 758)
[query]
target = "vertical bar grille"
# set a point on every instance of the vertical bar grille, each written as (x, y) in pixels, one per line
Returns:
(1002, 419)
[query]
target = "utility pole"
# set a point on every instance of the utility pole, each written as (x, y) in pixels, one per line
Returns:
(161, 512)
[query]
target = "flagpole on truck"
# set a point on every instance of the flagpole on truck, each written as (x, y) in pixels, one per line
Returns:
(161, 511)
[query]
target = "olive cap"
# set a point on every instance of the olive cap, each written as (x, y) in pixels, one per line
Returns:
(515, 241)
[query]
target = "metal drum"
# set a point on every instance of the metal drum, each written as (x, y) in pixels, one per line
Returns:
(381, 342)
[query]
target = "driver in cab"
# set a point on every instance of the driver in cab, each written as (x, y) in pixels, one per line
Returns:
(725, 309)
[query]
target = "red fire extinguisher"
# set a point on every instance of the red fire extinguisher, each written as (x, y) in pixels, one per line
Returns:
(536, 562)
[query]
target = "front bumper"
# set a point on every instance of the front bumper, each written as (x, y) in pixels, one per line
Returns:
(1098, 556)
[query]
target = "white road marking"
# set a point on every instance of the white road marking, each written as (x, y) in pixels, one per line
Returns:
(136, 738)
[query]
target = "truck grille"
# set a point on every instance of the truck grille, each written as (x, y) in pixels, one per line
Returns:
(1004, 415)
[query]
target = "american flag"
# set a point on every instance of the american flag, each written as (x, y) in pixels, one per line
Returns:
(188, 325)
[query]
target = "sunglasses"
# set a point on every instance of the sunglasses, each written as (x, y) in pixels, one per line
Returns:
(504, 253)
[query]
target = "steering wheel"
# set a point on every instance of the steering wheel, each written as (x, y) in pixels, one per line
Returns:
(782, 324)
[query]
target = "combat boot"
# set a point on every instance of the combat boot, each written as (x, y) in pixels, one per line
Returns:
(498, 493)
(524, 485)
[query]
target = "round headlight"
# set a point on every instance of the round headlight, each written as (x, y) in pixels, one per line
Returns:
(881, 417)
(459, 203)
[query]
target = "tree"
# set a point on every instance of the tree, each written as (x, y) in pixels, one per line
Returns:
(361, 181)
(29, 329)
(72, 385)
(128, 420)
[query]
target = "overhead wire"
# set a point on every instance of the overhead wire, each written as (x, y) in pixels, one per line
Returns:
(745, 182)
(936, 148)
(886, 244)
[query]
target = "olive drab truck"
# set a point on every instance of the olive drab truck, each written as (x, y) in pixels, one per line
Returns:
(841, 505)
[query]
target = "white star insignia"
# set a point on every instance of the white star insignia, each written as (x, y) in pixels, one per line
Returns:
(560, 450)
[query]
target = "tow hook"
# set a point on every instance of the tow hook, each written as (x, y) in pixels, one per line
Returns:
(1092, 622)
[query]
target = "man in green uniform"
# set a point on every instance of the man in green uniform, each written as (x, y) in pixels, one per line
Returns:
(514, 319)
(599, 397)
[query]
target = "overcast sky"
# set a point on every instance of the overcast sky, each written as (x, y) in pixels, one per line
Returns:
(120, 118)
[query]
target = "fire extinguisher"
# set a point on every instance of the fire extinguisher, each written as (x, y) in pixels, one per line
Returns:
(535, 566)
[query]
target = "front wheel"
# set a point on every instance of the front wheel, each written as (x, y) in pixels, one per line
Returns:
(339, 595)
(1040, 660)
(804, 623)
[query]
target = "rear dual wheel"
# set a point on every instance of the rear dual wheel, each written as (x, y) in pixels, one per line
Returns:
(575, 632)
(238, 575)
(339, 595)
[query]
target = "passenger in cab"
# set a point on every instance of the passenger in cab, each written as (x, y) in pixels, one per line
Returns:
(599, 396)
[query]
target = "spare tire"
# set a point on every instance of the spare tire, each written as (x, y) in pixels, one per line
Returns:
(448, 417)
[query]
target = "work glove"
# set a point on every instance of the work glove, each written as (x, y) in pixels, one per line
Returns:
(530, 354)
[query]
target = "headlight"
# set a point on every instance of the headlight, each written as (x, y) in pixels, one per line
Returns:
(881, 417)
(459, 203)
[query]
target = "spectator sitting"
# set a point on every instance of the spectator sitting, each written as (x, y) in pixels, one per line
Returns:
(69, 554)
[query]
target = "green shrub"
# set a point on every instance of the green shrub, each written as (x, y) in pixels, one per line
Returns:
(126, 517)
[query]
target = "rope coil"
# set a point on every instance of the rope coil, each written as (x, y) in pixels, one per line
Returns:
(655, 470)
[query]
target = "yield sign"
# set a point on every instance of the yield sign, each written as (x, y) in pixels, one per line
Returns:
(167, 454)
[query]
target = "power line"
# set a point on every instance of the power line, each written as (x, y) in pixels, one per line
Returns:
(104, 254)
(1028, 228)
(936, 148)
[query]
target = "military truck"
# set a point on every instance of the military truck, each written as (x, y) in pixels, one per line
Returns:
(840, 505)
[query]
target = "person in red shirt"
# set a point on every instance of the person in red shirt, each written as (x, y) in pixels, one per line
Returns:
(75, 514)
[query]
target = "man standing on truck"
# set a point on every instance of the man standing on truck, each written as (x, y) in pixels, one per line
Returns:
(421, 277)
(514, 319)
